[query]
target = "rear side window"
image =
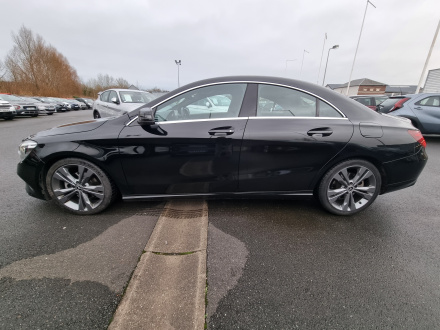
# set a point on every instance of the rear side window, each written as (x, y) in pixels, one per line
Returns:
(379, 100)
(104, 96)
(364, 101)
(432, 101)
(277, 101)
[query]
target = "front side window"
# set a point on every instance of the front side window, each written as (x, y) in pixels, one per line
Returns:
(217, 101)
(432, 101)
(276, 101)
(113, 95)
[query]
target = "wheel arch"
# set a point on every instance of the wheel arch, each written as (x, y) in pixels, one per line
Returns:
(49, 161)
(337, 161)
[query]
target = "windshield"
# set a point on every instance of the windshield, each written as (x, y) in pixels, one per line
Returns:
(390, 102)
(135, 97)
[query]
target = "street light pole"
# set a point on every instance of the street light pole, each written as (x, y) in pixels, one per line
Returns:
(305, 51)
(178, 63)
(360, 34)
(328, 54)
(322, 54)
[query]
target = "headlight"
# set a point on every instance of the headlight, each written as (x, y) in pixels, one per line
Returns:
(25, 148)
(41, 107)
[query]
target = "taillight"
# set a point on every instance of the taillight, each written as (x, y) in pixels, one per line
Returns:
(417, 135)
(399, 104)
(17, 107)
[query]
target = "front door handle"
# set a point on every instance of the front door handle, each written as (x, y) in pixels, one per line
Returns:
(321, 131)
(221, 131)
(418, 108)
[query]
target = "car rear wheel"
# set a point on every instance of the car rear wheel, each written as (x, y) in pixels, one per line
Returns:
(349, 187)
(79, 186)
(96, 115)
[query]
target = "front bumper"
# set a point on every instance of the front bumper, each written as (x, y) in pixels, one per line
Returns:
(27, 111)
(7, 114)
(29, 170)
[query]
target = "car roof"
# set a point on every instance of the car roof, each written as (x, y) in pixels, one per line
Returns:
(124, 90)
(347, 105)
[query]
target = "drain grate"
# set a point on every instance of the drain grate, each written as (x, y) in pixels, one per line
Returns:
(184, 214)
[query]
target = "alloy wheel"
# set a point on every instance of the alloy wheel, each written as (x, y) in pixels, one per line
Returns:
(78, 187)
(351, 188)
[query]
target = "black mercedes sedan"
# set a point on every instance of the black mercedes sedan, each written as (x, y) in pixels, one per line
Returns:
(228, 137)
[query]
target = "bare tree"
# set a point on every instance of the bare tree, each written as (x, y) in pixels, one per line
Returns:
(37, 68)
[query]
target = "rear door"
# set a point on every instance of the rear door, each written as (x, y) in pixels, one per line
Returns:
(291, 137)
(102, 105)
(427, 111)
(114, 108)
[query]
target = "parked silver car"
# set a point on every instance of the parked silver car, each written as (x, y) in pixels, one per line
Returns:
(23, 108)
(43, 108)
(116, 102)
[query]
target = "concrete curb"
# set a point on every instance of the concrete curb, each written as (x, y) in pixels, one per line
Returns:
(167, 289)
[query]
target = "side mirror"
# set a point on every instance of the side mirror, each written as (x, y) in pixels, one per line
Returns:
(146, 117)
(115, 100)
(208, 105)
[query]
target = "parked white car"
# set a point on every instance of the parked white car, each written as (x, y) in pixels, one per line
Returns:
(7, 110)
(116, 102)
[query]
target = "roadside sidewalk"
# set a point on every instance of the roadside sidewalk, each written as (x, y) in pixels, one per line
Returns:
(167, 289)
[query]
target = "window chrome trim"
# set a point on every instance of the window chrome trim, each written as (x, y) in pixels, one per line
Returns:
(198, 120)
(191, 121)
(249, 82)
(294, 117)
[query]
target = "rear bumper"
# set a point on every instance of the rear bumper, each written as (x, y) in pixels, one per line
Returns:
(404, 172)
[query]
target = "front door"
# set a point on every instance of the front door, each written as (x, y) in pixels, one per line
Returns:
(189, 151)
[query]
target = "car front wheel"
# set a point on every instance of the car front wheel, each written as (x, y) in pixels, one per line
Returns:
(349, 187)
(96, 115)
(79, 186)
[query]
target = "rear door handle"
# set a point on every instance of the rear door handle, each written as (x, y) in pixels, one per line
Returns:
(221, 131)
(418, 108)
(321, 131)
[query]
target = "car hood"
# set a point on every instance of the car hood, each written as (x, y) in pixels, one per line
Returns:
(83, 126)
(23, 103)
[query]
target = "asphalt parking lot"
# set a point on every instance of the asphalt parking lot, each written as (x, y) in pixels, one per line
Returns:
(274, 264)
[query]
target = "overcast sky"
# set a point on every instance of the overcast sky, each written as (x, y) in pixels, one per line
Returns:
(139, 40)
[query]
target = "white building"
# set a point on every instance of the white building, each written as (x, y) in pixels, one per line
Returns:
(432, 83)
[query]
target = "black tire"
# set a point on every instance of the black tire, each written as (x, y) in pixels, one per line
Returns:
(69, 182)
(9, 118)
(349, 187)
(96, 115)
(35, 115)
(50, 113)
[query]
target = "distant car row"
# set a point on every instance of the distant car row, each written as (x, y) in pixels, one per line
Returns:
(13, 105)
(422, 109)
